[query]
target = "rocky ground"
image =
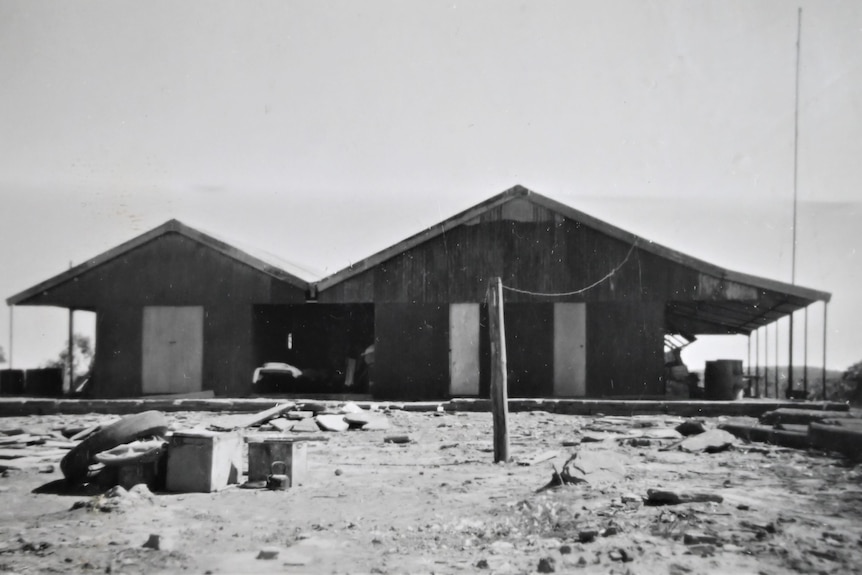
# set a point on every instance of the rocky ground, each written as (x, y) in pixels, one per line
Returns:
(438, 504)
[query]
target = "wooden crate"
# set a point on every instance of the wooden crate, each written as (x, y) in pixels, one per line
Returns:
(263, 452)
(203, 461)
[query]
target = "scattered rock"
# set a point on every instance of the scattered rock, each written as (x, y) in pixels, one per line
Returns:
(306, 426)
(268, 553)
(619, 555)
(378, 423)
(592, 467)
(159, 543)
(595, 437)
(565, 549)
(698, 538)
(760, 528)
(547, 565)
(638, 442)
(359, 419)
(351, 407)
(281, 424)
(712, 441)
(396, 439)
(662, 497)
(299, 415)
(588, 535)
(702, 550)
(691, 427)
(328, 422)
(661, 433)
(482, 564)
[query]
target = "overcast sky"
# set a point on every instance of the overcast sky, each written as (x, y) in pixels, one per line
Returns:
(324, 131)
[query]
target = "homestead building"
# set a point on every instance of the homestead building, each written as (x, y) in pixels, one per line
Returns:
(589, 309)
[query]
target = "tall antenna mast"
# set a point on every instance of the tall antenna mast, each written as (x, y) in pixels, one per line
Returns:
(795, 190)
(796, 145)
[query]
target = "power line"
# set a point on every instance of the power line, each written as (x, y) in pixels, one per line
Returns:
(583, 289)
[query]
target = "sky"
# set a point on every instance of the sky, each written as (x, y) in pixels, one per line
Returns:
(324, 131)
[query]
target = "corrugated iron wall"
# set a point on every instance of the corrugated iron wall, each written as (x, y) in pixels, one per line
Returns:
(536, 250)
(172, 271)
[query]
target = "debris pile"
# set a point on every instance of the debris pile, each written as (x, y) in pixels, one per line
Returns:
(39, 446)
(145, 449)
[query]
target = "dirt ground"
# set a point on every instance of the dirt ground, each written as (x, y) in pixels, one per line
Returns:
(439, 504)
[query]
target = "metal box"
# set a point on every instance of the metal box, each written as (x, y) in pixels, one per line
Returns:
(203, 461)
(263, 452)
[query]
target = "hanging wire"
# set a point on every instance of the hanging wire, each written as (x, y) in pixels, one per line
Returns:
(583, 289)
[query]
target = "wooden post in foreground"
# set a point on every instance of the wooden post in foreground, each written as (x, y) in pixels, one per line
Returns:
(499, 394)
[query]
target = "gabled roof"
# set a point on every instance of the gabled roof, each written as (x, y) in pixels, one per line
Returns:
(700, 317)
(261, 261)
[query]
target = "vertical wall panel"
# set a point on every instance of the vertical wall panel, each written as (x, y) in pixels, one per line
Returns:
(172, 353)
(625, 349)
(411, 351)
(570, 350)
(464, 367)
(530, 349)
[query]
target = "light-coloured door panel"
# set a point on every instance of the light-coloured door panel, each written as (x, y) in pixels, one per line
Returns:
(172, 349)
(464, 349)
(570, 344)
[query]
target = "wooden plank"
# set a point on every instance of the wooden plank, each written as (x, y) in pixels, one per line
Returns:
(241, 421)
(16, 439)
(32, 452)
(21, 463)
(539, 458)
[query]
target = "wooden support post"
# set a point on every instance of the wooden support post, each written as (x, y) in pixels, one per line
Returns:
(790, 357)
(805, 357)
(748, 367)
(71, 352)
(757, 363)
(766, 360)
(777, 393)
(11, 329)
(499, 393)
(823, 374)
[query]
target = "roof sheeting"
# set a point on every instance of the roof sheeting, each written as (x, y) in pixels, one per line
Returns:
(766, 300)
(266, 263)
(773, 299)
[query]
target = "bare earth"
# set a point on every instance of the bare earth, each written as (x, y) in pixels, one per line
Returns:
(439, 504)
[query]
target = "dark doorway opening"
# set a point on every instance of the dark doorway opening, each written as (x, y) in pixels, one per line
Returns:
(314, 348)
